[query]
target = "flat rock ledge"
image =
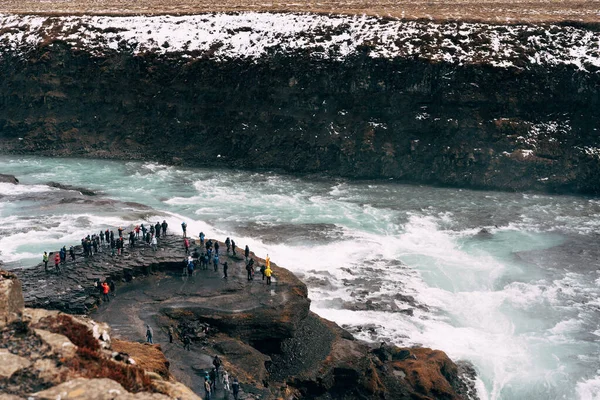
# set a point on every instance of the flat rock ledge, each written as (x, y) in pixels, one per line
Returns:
(266, 335)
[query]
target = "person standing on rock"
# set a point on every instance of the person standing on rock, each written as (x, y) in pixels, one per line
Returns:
(216, 248)
(235, 388)
(45, 260)
(190, 267)
(72, 253)
(249, 271)
(228, 244)
(154, 243)
(213, 379)
(149, 334)
(268, 261)
(120, 231)
(207, 389)
(186, 245)
(184, 228)
(247, 252)
(201, 236)
(171, 333)
(105, 290)
(112, 287)
(216, 262)
(112, 235)
(63, 255)
(268, 273)
(225, 267)
(186, 342)
(57, 262)
(101, 238)
(113, 246)
(262, 271)
(164, 227)
(217, 363)
(157, 229)
(131, 239)
(144, 230)
(225, 380)
(233, 247)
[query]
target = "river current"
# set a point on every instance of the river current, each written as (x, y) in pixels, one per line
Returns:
(507, 281)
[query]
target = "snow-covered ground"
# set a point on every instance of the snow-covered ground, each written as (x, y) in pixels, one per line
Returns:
(253, 35)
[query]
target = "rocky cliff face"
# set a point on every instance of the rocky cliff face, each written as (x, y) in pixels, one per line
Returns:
(472, 105)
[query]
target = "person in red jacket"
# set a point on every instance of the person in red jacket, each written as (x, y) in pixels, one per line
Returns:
(105, 290)
(186, 244)
(57, 261)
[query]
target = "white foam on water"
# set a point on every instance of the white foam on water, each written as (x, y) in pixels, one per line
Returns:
(8, 189)
(589, 389)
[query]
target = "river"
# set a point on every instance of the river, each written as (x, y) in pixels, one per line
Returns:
(520, 299)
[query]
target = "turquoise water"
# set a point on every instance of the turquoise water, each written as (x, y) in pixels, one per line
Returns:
(520, 301)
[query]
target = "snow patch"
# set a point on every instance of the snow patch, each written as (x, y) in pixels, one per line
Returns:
(253, 35)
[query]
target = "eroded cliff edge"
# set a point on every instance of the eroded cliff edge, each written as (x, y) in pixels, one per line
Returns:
(266, 335)
(465, 104)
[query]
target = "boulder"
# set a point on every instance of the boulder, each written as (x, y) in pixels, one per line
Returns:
(8, 179)
(60, 345)
(11, 298)
(11, 363)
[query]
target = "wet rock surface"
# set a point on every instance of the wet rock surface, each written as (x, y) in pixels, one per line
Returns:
(265, 335)
(8, 179)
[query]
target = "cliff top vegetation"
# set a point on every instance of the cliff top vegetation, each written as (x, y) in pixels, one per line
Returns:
(491, 11)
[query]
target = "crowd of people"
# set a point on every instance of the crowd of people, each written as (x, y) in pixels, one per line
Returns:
(202, 257)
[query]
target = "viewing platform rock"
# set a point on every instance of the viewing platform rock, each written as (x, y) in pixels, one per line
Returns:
(266, 335)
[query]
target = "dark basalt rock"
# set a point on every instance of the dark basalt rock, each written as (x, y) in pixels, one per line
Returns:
(83, 191)
(411, 120)
(8, 179)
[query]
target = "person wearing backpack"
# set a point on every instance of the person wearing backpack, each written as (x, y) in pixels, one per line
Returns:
(184, 228)
(262, 271)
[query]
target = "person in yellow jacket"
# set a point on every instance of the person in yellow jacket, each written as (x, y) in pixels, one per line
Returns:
(45, 260)
(268, 273)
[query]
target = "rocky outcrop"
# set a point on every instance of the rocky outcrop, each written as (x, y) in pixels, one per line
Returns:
(450, 104)
(83, 191)
(49, 355)
(265, 335)
(8, 179)
(11, 298)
